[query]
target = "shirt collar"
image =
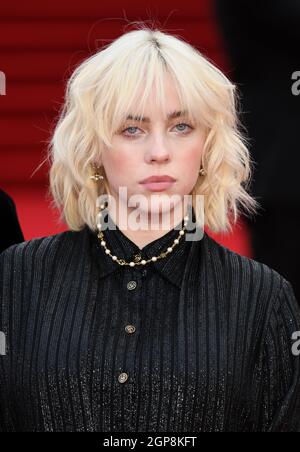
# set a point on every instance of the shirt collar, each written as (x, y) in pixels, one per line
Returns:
(171, 267)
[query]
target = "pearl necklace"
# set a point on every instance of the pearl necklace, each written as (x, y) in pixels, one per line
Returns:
(169, 250)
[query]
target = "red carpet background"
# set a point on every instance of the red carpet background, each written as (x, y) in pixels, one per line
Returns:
(40, 45)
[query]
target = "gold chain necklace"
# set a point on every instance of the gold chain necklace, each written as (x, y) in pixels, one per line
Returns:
(169, 250)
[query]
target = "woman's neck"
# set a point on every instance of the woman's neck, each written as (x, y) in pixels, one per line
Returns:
(146, 231)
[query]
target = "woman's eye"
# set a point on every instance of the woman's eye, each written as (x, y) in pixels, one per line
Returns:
(183, 124)
(133, 129)
(130, 128)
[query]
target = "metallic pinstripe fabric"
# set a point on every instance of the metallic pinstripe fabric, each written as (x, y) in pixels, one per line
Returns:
(211, 350)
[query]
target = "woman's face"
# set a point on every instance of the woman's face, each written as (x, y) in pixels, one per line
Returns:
(155, 147)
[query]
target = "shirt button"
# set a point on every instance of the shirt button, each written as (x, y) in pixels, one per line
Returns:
(131, 285)
(144, 272)
(123, 377)
(130, 329)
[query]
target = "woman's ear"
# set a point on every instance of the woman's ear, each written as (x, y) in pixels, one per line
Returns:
(98, 162)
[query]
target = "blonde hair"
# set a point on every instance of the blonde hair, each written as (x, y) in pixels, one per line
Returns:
(100, 94)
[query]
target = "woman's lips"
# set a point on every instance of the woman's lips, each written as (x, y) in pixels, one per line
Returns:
(157, 186)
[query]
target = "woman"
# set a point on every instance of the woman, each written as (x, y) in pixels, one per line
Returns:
(110, 327)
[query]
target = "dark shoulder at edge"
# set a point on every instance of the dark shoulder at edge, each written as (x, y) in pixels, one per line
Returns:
(239, 262)
(54, 241)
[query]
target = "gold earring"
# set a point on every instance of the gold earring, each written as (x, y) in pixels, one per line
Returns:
(97, 176)
(202, 172)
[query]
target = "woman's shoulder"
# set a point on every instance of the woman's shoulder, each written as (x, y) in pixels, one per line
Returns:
(244, 270)
(249, 286)
(38, 247)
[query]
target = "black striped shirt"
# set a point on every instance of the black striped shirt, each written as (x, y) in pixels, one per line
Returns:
(200, 341)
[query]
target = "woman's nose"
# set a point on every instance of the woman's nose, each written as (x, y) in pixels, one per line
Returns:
(159, 151)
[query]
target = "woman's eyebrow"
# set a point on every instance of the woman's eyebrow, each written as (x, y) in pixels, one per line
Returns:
(172, 115)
